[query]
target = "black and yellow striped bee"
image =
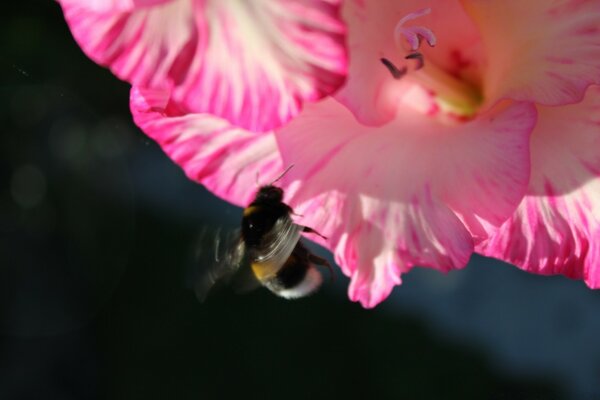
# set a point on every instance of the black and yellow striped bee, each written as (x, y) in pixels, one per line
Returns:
(266, 251)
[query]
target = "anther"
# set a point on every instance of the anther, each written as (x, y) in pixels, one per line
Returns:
(417, 56)
(395, 71)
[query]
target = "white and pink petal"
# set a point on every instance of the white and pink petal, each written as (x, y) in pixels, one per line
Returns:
(212, 151)
(412, 192)
(388, 238)
(556, 229)
(102, 6)
(252, 63)
(545, 51)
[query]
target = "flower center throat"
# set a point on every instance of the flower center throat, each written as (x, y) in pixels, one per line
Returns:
(452, 95)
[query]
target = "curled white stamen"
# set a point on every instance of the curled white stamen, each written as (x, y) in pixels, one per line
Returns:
(413, 35)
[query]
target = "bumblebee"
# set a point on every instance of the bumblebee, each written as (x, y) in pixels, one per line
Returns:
(265, 251)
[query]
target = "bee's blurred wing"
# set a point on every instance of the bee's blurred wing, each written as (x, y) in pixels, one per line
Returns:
(219, 256)
(244, 280)
(279, 243)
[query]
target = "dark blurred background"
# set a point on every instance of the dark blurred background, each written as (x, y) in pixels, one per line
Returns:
(97, 227)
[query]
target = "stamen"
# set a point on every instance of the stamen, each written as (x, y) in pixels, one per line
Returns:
(395, 71)
(452, 94)
(413, 35)
(416, 56)
(415, 15)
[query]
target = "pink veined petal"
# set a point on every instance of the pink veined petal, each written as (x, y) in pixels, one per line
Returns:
(411, 192)
(211, 151)
(252, 63)
(111, 5)
(371, 30)
(545, 51)
(556, 229)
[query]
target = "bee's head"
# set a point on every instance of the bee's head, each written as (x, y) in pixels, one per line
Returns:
(270, 193)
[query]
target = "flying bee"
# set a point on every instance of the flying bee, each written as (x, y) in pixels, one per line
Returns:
(265, 251)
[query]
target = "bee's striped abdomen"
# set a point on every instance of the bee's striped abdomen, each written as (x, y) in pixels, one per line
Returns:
(297, 277)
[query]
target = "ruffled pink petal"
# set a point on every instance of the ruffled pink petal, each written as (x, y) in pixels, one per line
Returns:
(411, 192)
(539, 50)
(224, 158)
(556, 229)
(252, 63)
(371, 30)
(111, 5)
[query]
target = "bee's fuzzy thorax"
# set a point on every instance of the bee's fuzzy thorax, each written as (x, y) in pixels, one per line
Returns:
(269, 194)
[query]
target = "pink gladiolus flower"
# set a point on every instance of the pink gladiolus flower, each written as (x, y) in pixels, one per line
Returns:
(252, 63)
(421, 161)
(486, 142)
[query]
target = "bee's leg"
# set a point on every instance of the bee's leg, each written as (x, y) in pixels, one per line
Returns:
(311, 230)
(291, 211)
(321, 261)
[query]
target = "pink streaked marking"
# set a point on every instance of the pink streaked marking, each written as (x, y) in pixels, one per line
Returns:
(583, 218)
(323, 161)
(415, 238)
(433, 110)
(568, 8)
(549, 190)
(560, 60)
(459, 63)
(556, 76)
(593, 168)
(461, 118)
(589, 30)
